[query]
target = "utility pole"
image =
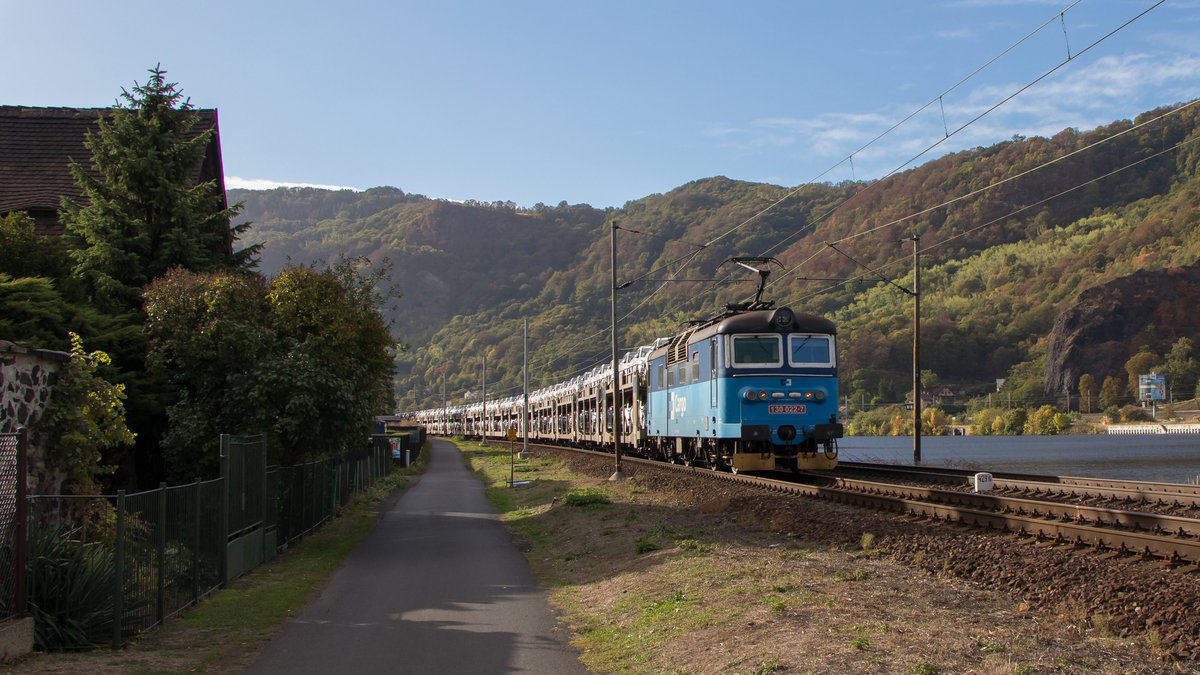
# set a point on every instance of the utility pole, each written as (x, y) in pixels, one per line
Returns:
(916, 373)
(445, 419)
(616, 383)
(483, 430)
(525, 380)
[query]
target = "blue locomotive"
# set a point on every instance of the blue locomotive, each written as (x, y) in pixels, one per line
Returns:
(755, 389)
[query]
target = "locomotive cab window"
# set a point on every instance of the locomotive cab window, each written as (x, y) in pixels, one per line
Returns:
(756, 351)
(810, 350)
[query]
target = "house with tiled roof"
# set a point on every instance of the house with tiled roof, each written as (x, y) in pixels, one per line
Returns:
(38, 145)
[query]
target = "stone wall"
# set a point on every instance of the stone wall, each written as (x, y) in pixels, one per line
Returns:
(27, 377)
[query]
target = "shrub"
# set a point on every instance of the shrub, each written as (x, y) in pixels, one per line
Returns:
(70, 589)
(1133, 413)
(646, 543)
(692, 546)
(589, 499)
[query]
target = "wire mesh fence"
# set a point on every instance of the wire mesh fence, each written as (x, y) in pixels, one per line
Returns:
(12, 524)
(310, 494)
(106, 567)
(122, 563)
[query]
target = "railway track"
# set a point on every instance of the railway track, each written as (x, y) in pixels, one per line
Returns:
(1174, 539)
(1066, 487)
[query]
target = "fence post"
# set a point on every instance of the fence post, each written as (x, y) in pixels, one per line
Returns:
(161, 545)
(196, 547)
(224, 509)
(22, 523)
(302, 501)
(321, 491)
(119, 564)
(264, 507)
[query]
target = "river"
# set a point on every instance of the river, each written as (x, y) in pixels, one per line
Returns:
(1165, 458)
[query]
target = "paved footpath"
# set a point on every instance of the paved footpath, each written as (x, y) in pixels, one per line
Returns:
(437, 586)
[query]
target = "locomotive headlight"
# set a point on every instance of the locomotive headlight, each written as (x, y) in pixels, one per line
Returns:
(762, 395)
(820, 395)
(783, 318)
(808, 396)
(751, 395)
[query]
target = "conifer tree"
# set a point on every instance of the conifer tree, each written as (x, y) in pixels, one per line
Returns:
(142, 212)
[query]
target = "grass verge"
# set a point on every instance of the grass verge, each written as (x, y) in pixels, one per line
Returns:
(224, 632)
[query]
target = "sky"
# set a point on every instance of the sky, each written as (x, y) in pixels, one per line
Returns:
(605, 102)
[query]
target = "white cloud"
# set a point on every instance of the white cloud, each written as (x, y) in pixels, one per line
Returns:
(720, 131)
(236, 183)
(1109, 88)
(956, 34)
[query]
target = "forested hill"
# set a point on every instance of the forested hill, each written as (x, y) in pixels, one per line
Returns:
(1009, 237)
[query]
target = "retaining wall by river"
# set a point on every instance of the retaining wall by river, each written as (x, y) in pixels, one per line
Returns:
(1142, 429)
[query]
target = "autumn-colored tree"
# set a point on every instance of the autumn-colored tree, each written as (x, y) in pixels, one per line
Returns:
(1088, 393)
(934, 422)
(1111, 391)
(306, 357)
(1014, 421)
(1142, 363)
(1047, 421)
(333, 369)
(210, 332)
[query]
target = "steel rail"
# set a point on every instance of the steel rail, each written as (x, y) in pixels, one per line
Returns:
(1096, 515)
(1042, 520)
(1166, 494)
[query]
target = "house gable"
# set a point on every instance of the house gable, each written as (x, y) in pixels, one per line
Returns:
(38, 145)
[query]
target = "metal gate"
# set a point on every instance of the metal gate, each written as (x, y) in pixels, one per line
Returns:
(244, 468)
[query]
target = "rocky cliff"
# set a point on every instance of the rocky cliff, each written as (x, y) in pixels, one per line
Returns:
(1111, 321)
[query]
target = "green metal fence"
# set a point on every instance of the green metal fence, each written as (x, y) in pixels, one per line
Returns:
(164, 549)
(160, 549)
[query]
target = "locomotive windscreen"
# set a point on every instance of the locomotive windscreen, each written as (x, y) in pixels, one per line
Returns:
(810, 349)
(756, 350)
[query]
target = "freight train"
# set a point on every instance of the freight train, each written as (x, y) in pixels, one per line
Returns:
(754, 389)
